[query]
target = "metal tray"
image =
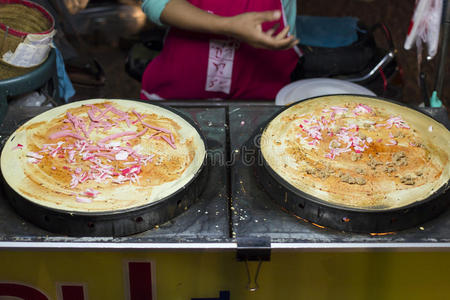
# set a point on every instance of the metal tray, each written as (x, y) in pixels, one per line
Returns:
(326, 214)
(118, 223)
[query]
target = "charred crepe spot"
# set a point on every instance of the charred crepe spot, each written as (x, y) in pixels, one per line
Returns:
(398, 134)
(400, 159)
(408, 179)
(329, 170)
(389, 170)
(360, 180)
(398, 155)
(321, 173)
(348, 179)
(373, 163)
(417, 142)
(352, 180)
(360, 171)
(355, 156)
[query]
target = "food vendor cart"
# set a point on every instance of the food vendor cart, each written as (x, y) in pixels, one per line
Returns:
(233, 243)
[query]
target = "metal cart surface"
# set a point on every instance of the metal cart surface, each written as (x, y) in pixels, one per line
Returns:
(233, 212)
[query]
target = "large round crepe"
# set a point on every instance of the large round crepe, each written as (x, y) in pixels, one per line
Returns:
(129, 171)
(358, 151)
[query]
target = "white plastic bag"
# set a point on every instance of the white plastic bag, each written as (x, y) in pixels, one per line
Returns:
(32, 52)
(425, 25)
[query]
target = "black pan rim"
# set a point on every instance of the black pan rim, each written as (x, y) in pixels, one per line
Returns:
(112, 214)
(439, 192)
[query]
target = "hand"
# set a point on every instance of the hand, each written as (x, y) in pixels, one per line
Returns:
(247, 27)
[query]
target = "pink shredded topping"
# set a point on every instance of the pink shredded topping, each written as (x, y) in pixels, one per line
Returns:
(313, 128)
(78, 123)
(135, 135)
(339, 110)
(117, 135)
(392, 142)
(103, 154)
(349, 140)
(83, 199)
(65, 133)
(362, 109)
(394, 121)
(91, 193)
(343, 138)
(169, 142)
(122, 155)
(150, 126)
(98, 118)
(35, 155)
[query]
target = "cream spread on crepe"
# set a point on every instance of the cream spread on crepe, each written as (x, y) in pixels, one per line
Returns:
(102, 155)
(358, 151)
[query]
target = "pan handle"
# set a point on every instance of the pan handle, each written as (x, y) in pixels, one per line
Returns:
(385, 60)
(381, 64)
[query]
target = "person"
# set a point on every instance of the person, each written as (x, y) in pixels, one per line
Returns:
(235, 49)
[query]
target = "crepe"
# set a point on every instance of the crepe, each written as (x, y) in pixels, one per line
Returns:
(102, 155)
(358, 152)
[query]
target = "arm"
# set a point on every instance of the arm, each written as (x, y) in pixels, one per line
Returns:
(246, 27)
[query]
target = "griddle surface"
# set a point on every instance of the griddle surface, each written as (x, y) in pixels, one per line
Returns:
(232, 205)
(255, 215)
(205, 221)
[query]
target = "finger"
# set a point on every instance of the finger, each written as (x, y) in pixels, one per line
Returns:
(282, 34)
(272, 30)
(293, 44)
(267, 16)
(286, 43)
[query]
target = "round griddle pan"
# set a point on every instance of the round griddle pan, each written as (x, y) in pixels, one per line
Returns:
(115, 223)
(350, 219)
